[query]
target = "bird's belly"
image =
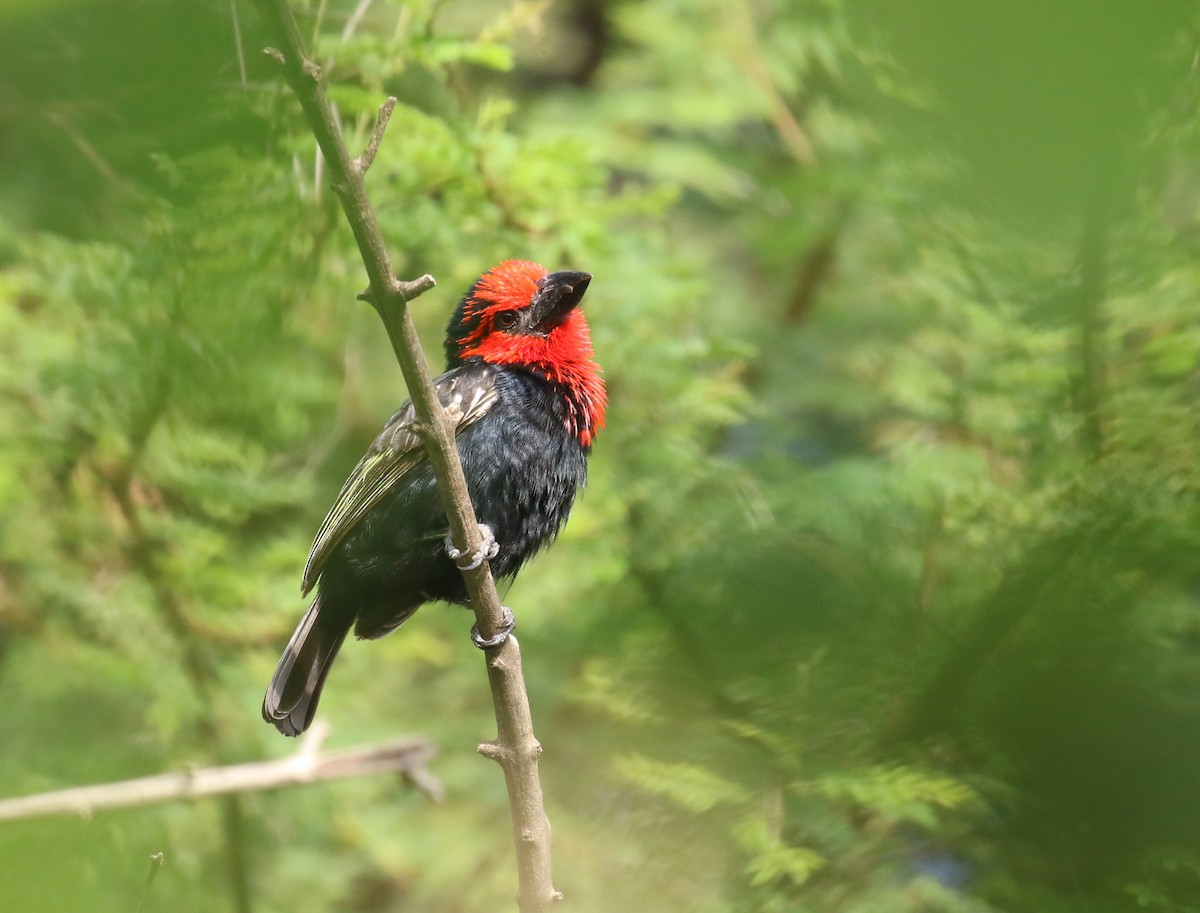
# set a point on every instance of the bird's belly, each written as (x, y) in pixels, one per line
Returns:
(524, 497)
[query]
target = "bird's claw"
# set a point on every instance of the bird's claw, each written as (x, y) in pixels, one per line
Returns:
(501, 635)
(468, 561)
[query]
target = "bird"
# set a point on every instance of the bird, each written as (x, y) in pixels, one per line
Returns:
(528, 399)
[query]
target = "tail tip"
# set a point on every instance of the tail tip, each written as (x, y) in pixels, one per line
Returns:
(289, 723)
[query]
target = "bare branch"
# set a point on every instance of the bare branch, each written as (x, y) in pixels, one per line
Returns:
(306, 765)
(355, 18)
(421, 284)
(518, 749)
(363, 162)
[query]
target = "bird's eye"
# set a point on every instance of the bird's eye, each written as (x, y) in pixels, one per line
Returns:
(506, 320)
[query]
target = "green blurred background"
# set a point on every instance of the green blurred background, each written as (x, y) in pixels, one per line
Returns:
(885, 593)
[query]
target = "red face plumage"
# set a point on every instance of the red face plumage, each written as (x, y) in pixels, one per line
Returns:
(508, 286)
(562, 353)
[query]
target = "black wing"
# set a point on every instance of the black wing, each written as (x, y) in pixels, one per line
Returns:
(467, 393)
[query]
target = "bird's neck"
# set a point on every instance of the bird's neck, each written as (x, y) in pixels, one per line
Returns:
(583, 394)
(565, 358)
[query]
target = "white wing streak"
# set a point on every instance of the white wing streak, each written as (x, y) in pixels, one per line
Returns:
(467, 393)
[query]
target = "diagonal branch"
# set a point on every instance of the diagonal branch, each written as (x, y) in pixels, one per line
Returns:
(516, 749)
(306, 765)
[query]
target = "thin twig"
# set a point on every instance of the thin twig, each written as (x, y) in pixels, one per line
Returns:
(86, 149)
(794, 138)
(237, 41)
(363, 162)
(306, 765)
(516, 749)
(355, 18)
(156, 863)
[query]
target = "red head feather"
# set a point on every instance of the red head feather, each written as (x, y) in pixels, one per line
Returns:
(562, 353)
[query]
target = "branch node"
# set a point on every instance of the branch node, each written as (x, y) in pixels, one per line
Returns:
(496, 661)
(493, 750)
(311, 70)
(394, 293)
(276, 55)
(364, 161)
(415, 287)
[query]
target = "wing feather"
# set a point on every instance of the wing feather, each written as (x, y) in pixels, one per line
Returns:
(467, 393)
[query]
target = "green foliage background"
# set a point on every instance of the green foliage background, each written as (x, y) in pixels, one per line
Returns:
(885, 593)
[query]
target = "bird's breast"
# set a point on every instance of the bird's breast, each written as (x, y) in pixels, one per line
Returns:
(523, 470)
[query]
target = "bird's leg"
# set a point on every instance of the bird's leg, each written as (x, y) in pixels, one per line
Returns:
(501, 635)
(465, 561)
(468, 561)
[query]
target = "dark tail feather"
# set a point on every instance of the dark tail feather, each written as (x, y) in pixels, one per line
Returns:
(291, 699)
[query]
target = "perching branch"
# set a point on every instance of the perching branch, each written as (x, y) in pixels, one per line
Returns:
(515, 748)
(306, 765)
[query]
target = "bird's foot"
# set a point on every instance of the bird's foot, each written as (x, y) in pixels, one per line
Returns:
(468, 561)
(501, 636)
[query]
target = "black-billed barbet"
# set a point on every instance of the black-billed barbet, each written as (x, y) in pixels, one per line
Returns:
(527, 396)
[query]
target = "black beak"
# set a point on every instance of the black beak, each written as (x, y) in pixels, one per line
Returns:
(558, 294)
